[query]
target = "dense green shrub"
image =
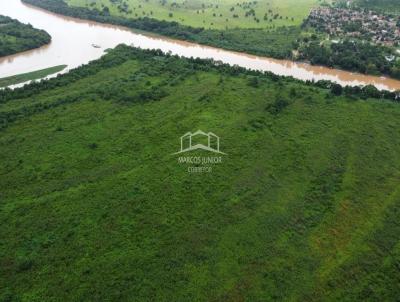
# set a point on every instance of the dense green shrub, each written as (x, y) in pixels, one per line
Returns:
(17, 37)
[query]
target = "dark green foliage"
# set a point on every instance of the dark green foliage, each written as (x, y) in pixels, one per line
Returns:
(254, 82)
(278, 105)
(93, 146)
(277, 43)
(337, 89)
(387, 6)
(16, 37)
(354, 56)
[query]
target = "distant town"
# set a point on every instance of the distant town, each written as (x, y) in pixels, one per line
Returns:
(368, 25)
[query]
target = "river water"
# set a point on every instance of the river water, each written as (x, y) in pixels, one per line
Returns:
(73, 39)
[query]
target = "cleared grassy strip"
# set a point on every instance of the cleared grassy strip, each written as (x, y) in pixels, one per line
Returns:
(29, 76)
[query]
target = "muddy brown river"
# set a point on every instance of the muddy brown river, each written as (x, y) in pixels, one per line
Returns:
(73, 40)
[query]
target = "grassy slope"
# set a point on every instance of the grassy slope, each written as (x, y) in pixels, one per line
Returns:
(94, 207)
(187, 14)
(17, 37)
(29, 76)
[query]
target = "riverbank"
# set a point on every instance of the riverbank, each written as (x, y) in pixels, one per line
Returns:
(278, 43)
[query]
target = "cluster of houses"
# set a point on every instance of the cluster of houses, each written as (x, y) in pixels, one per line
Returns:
(338, 22)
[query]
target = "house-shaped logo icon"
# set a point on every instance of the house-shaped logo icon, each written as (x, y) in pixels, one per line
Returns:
(200, 141)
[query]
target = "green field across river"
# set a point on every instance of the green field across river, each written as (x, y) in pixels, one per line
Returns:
(218, 14)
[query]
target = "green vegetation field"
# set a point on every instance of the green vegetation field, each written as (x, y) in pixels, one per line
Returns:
(16, 37)
(29, 76)
(218, 14)
(94, 206)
